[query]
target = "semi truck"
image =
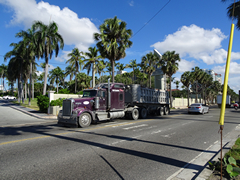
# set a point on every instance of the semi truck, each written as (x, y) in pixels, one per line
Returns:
(228, 101)
(109, 101)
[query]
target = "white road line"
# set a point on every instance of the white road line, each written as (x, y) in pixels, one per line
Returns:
(134, 127)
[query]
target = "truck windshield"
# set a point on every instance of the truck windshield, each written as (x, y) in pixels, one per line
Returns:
(90, 93)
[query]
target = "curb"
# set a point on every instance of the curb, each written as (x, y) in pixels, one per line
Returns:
(34, 115)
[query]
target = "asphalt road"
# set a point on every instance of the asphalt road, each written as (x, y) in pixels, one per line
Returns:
(153, 148)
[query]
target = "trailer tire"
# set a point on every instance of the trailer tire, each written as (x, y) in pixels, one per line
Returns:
(166, 110)
(84, 120)
(143, 113)
(160, 111)
(135, 114)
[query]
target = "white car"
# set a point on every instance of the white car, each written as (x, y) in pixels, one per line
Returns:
(9, 97)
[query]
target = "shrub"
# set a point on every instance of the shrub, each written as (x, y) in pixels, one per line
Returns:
(57, 102)
(43, 103)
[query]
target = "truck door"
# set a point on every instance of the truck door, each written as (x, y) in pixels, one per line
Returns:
(102, 100)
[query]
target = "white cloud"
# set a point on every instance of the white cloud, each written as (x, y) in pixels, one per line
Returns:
(185, 65)
(234, 68)
(131, 3)
(75, 31)
(63, 57)
(198, 43)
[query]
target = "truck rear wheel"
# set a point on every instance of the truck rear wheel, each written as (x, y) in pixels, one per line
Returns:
(143, 113)
(135, 114)
(84, 120)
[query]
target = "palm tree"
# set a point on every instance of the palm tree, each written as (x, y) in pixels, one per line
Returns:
(69, 71)
(76, 63)
(56, 75)
(169, 64)
(121, 67)
(177, 84)
(197, 76)
(3, 73)
(91, 62)
(236, 11)
(48, 40)
(133, 65)
(149, 64)
(113, 40)
(186, 79)
(101, 65)
(29, 41)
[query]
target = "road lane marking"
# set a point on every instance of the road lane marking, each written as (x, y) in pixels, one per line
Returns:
(82, 130)
(134, 127)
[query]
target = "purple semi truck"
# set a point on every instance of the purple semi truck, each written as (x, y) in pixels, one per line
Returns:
(109, 101)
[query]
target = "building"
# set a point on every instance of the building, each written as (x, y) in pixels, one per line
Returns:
(215, 76)
(121, 72)
(1, 87)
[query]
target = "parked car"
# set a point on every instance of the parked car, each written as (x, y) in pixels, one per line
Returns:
(9, 97)
(198, 108)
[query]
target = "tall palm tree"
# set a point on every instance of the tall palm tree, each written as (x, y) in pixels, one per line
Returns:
(29, 41)
(186, 79)
(48, 40)
(149, 64)
(113, 40)
(197, 76)
(133, 65)
(56, 76)
(76, 62)
(169, 64)
(91, 62)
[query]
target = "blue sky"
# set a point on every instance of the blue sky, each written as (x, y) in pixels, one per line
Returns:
(198, 30)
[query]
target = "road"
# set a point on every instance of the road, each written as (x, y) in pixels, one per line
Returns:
(153, 148)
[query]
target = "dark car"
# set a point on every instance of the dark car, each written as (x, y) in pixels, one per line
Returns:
(198, 108)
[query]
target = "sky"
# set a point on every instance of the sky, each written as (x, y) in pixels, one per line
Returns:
(197, 30)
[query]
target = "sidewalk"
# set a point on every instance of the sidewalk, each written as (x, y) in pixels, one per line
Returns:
(32, 112)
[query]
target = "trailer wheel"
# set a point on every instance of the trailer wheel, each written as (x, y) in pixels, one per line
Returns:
(166, 110)
(160, 111)
(135, 114)
(143, 113)
(84, 120)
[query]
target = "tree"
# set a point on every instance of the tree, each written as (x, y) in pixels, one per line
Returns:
(186, 79)
(101, 65)
(76, 62)
(48, 40)
(149, 64)
(91, 62)
(69, 71)
(236, 11)
(133, 65)
(121, 67)
(29, 41)
(56, 75)
(177, 83)
(197, 75)
(3, 73)
(169, 64)
(113, 40)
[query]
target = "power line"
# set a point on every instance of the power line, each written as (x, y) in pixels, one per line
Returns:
(151, 18)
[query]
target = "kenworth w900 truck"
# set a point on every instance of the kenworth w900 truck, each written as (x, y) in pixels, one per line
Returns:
(113, 100)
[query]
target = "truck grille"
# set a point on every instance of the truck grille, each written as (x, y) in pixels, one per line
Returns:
(67, 107)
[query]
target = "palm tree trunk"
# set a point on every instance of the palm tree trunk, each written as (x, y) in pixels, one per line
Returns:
(188, 95)
(170, 87)
(57, 88)
(75, 90)
(19, 90)
(45, 76)
(25, 90)
(30, 84)
(93, 75)
(32, 89)
(112, 63)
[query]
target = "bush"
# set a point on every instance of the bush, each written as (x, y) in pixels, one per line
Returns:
(43, 103)
(57, 102)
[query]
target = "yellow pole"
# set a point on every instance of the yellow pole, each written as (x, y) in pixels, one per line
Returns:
(224, 95)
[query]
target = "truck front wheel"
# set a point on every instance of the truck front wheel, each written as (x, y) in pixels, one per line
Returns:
(166, 110)
(84, 120)
(135, 114)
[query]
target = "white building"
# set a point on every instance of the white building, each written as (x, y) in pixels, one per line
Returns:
(121, 72)
(215, 76)
(1, 87)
